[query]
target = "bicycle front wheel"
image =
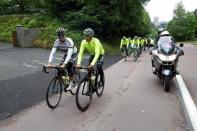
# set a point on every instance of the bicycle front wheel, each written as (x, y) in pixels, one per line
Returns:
(100, 83)
(54, 93)
(84, 95)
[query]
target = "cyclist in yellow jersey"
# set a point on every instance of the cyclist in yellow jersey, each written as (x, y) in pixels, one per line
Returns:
(136, 41)
(141, 44)
(130, 42)
(95, 48)
(124, 44)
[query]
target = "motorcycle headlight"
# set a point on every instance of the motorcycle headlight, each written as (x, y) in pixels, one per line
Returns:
(167, 58)
(172, 57)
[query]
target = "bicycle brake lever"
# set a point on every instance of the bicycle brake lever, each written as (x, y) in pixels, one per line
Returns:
(44, 69)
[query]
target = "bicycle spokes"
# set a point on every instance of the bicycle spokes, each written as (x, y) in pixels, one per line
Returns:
(85, 89)
(55, 89)
(54, 93)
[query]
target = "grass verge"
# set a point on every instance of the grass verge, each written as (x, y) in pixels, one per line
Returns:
(47, 37)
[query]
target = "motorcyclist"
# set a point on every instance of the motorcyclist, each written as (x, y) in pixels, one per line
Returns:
(159, 34)
(178, 50)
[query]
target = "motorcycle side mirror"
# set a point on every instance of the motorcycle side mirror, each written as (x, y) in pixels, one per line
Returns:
(181, 45)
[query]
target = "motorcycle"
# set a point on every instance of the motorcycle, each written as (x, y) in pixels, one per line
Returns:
(165, 59)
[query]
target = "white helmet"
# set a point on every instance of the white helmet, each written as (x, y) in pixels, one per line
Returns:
(165, 33)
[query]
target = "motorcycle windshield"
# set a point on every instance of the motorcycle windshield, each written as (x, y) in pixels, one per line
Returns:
(166, 45)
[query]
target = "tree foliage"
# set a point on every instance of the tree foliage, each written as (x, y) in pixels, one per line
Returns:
(109, 18)
(184, 24)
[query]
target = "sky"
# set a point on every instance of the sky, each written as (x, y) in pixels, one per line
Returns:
(164, 8)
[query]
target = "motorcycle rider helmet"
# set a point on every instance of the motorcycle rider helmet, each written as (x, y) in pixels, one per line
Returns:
(165, 33)
(160, 30)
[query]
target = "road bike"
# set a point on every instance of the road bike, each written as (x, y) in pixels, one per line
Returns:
(55, 87)
(92, 82)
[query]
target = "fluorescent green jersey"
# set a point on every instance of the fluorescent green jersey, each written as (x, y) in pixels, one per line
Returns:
(94, 47)
(142, 41)
(136, 41)
(124, 42)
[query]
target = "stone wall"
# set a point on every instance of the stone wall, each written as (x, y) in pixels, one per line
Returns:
(25, 37)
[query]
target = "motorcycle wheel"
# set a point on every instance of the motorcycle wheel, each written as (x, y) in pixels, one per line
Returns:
(166, 83)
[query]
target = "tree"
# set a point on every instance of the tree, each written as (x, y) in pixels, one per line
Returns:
(183, 26)
(179, 11)
(109, 18)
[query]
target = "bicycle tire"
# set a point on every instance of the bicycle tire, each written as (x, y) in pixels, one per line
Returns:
(88, 94)
(76, 82)
(48, 97)
(99, 94)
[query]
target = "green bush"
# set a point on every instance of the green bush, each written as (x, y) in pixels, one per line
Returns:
(47, 36)
(76, 36)
(32, 23)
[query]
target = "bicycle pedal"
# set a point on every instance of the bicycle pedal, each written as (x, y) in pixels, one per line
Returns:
(93, 90)
(65, 90)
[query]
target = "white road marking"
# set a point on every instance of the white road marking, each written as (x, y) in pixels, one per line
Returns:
(121, 61)
(188, 102)
(39, 62)
(28, 65)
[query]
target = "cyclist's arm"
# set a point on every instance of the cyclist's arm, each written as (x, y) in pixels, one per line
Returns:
(128, 42)
(52, 54)
(132, 43)
(80, 53)
(121, 44)
(69, 54)
(70, 51)
(138, 43)
(97, 53)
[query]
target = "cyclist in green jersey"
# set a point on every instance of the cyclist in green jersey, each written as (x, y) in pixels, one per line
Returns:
(124, 44)
(95, 48)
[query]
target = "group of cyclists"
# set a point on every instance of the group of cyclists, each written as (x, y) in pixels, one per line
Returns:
(137, 44)
(71, 56)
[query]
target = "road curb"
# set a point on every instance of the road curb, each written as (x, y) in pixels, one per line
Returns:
(188, 104)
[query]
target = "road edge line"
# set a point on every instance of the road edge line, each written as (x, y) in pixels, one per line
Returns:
(188, 104)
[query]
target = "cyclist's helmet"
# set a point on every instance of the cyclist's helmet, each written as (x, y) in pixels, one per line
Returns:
(60, 32)
(160, 30)
(88, 32)
(165, 33)
(124, 37)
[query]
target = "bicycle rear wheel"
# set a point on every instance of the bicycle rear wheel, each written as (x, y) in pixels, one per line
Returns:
(84, 94)
(54, 93)
(76, 81)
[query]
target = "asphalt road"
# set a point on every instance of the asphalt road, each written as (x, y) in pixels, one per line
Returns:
(22, 82)
(133, 99)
